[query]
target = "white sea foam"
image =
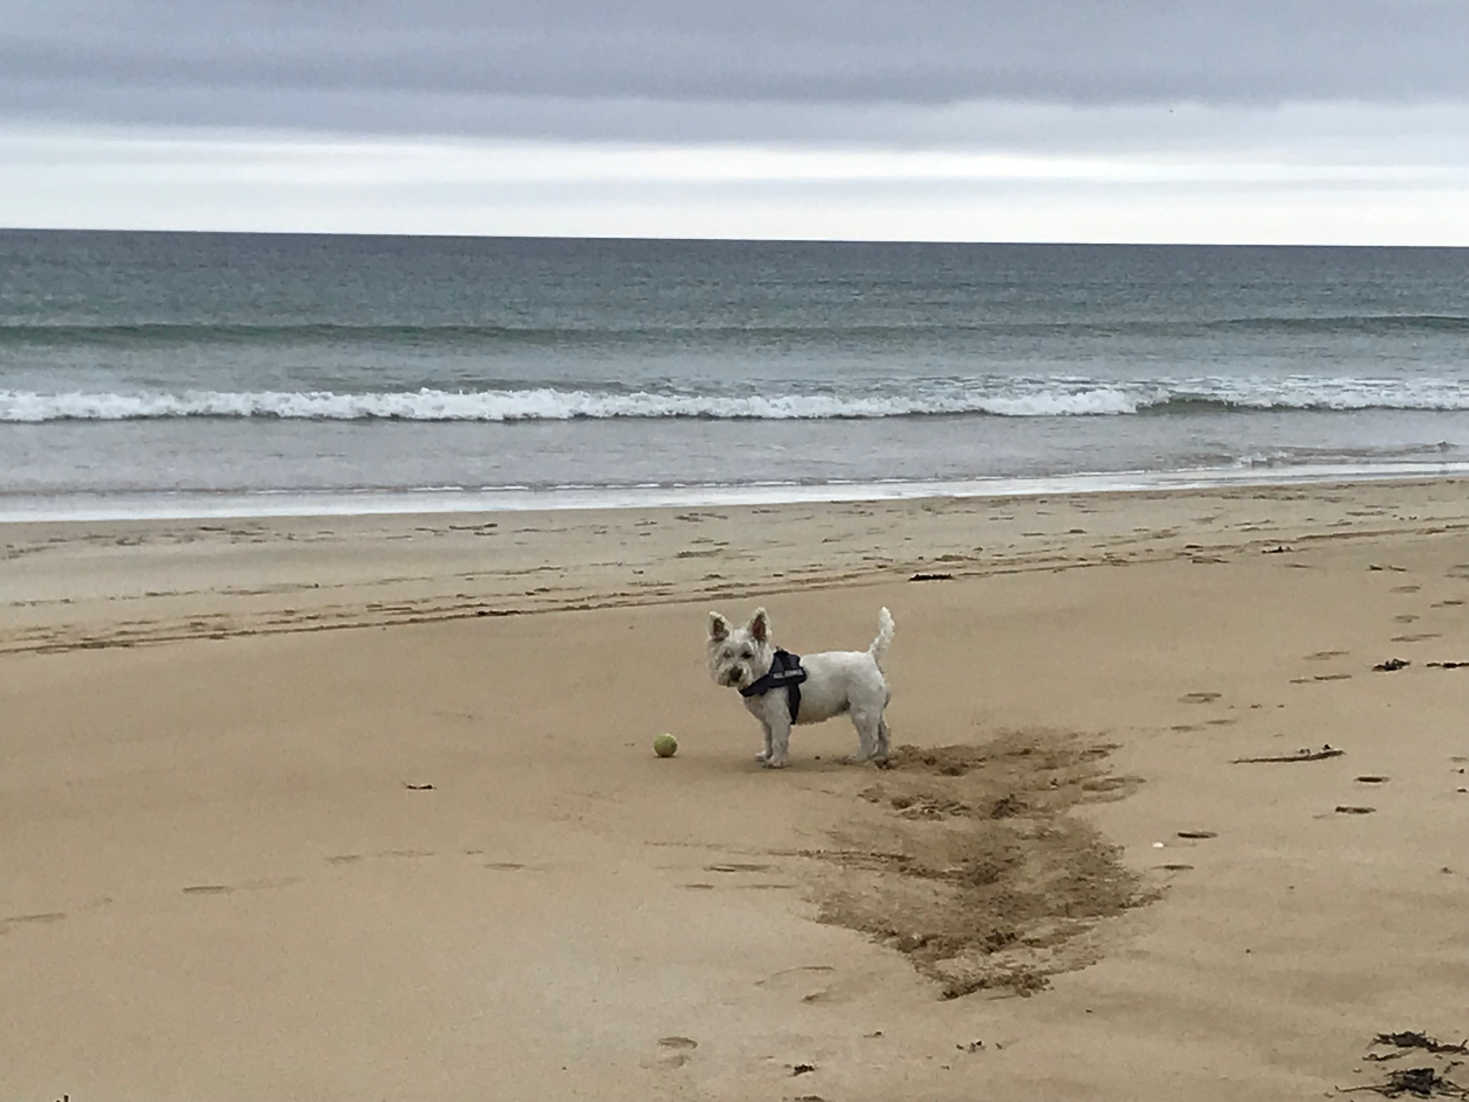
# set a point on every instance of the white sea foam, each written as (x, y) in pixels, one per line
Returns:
(1006, 398)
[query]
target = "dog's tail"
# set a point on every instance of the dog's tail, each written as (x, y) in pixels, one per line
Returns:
(884, 638)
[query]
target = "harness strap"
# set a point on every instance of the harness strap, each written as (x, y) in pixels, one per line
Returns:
(785, 670)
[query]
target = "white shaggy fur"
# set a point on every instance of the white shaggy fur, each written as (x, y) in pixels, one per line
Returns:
(836, 682)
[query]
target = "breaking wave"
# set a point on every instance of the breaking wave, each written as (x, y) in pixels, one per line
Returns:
(532, 404)
(1008, 398)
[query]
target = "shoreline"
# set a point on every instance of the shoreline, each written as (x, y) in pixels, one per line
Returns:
(88, 584)
(88, 507)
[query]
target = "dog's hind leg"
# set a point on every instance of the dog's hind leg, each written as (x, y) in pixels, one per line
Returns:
(870, 735)
(884, 741)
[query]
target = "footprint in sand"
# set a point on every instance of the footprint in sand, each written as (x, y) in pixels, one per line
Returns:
(1418, 638)
(801, 975)
(1323, 655)
(1404, 618)
(674, 1052)
(45, 918)
(1447, 604)
(735, 867)
(1108, 784)
(247, 886)
(1199, 698)
(1406, 588)
(1198, 834)
(811, 981)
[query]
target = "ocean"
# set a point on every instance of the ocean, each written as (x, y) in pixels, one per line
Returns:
(190, 374)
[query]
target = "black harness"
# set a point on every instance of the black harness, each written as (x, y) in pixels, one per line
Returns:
(785, 671)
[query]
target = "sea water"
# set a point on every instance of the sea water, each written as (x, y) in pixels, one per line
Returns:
(157, 374)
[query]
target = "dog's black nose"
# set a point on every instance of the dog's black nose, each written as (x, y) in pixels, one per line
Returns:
(736, 676)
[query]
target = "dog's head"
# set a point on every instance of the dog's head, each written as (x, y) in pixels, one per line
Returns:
(740, 656)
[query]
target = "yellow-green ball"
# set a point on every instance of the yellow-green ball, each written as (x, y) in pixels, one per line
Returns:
(665, 745)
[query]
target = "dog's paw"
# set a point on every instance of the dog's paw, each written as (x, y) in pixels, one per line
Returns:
(760, 757)
(772, 763)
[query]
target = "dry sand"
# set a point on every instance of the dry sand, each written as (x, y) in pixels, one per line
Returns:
(222, 881)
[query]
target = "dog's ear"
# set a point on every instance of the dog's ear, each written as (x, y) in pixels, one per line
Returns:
(718, 627)
(760, 625)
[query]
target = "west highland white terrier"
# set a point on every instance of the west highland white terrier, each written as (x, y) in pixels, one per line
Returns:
(781, 688)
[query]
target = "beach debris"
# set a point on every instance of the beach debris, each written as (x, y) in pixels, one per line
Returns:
(1303, 754)
(1417, 1082)
(1370, 778)
(1198, 834)
(1392, 664)
(1378, 566)
(1414, 1039)
(1278, 549)
(972, 1046)
(412, 787)
(1448, 665)
(1354, 809)
(931, 577)
(802, 1069)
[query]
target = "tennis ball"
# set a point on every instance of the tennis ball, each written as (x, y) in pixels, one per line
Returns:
(665, 745)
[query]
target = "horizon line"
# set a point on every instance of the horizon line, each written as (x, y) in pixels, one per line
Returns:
(696, 239)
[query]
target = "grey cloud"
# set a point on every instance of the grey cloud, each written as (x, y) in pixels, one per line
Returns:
(664, 71)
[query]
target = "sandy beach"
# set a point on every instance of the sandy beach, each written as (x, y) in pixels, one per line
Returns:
(365, 807)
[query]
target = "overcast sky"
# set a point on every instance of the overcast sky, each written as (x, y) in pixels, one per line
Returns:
(1169, 120)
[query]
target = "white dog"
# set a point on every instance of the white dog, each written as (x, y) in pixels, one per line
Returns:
(781, 689)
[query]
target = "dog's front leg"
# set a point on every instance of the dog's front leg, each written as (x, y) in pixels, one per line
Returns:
(777, 743)
(764, 755)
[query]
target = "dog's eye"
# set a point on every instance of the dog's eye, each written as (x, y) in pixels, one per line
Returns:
(747, 653)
